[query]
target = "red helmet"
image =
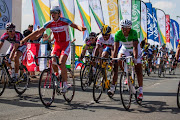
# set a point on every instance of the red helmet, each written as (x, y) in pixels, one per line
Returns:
(10, 26)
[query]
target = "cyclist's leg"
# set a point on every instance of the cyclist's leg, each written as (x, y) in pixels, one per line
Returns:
(56, 51)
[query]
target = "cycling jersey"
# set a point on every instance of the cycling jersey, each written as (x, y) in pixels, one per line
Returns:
(105, 43)
(127, 42)
(60, 29)
(149, 52)
(163, 51)
(16, 39)
(91, 46)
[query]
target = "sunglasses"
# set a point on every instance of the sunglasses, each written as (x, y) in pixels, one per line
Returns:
(91, 37)
(55, 12)
(11, 30)
(126, 27)
(105, 34)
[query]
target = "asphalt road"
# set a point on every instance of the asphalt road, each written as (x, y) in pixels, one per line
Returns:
(159, 104)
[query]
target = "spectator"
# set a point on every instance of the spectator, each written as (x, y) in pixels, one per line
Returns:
(28, 31)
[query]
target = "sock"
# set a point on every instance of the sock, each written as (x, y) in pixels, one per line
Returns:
(141, 90)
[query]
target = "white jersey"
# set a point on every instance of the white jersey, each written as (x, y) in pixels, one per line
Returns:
(105, 43)
(163, 51)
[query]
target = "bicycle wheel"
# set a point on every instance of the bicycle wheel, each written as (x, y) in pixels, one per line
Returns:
(23, 80)
(178, 96)
(159, 71)
(125, 91)
(85, 77)
(3, 80)
(98, 85)
(69, 95)
(47, 87)
(82, 68)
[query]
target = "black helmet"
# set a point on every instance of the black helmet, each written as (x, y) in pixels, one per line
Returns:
(55, 9)
(10, 26)
(92, 34)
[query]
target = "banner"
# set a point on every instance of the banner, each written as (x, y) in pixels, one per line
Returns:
(41, 12)
(5, 13)
(168, 31)
(178, 20)
(150, 33)
(143, 33)
(84, 11)
(136, 8)
(32, 50)
(96, 9)
(113, 15)
(155, 28)
(176, 33)
(124, 9)
(171, 35)
(161, 18)
(68, 10)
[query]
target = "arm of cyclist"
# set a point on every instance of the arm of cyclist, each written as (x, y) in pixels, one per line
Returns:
(83, 53)
(116, 46)
(1, 44)
(96, 49)
(33, 35)
(16, 45)
(135, 49)
(80, 28)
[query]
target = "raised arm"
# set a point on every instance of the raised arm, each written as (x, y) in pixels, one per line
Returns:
(80, 28)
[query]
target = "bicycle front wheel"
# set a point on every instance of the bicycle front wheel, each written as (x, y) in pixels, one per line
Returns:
(178, 96)
(3, 80)
(98, 85)
(47, 87)
(23, 80)
(125, 91)
(69, 94)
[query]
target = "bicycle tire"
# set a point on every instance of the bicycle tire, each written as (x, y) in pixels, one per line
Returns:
(125, 90)
(159, 71)
(69, 95)
(178, 96)
(3, 80)
(82, 68)
(98, 83)
(23, 80)
(46, 84)
(85, 77)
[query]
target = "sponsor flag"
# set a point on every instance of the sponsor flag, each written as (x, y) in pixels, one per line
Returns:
(113, 15)
(155, 27)
(143, 33)
(96, 9)
(41, 12)
(171, 35)
(136, 15)
(150, 33)
(175, 26)
(161, 18)
(84, 11)
(124, 9)
(168, 31)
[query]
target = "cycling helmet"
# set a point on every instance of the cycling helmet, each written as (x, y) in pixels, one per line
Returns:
(105, 30)
(10, 26)
(92, 34)
(55, 9)
(163, 45)
(126, 23)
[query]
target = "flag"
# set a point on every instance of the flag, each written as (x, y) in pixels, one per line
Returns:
(143, 33)
(155, 28)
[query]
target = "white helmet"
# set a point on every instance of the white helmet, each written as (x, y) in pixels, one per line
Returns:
(126, 23)
(55, 9)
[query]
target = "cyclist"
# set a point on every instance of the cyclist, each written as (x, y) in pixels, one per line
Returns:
(129, 40)
(105, 42)
(149, 53)
(90, 44)
(163, 51)
(60, 29)
(15, 51)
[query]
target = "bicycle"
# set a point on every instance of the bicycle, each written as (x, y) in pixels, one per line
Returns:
(178, 95)
(87, 74)
(22, 82)
(145, 66)
(103, 78)
(49, 83)
(128, 86)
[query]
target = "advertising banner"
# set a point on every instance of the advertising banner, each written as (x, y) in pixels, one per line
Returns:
(155, 28)
(168, 31)
(143, 33)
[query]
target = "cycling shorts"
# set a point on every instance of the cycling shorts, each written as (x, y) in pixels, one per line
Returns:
(108, 50)
(61, 49)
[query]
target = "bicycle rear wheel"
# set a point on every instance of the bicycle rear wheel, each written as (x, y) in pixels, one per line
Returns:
(3, 80)
(69, 95)
(98, 85)
(178, 96)
(85, 77)
(125, 91)
(23, 80)
(47, 87)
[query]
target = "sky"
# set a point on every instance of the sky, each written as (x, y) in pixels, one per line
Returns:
(168, 6)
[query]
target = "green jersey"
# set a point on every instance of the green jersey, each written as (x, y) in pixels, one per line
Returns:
(127, 42)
